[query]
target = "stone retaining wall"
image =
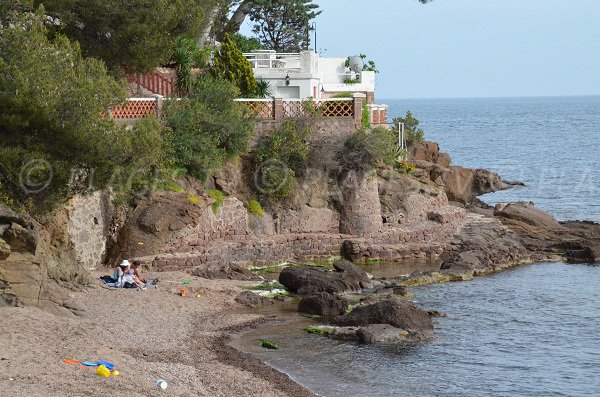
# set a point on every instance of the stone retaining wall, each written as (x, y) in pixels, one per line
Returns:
(253, 252)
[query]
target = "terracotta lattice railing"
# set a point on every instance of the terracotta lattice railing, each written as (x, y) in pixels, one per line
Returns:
(261, 108)
(135, 108)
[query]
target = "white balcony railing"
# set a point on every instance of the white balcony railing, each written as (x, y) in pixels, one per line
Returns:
(268, 59)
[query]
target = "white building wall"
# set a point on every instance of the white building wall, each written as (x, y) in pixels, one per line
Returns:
(309, 75)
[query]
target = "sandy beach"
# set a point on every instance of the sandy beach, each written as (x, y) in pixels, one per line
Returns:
(149, 335)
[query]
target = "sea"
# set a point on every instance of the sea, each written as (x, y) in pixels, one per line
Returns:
(530, 331)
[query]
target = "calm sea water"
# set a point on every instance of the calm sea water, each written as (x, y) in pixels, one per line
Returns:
(550, 144)
(532, 331)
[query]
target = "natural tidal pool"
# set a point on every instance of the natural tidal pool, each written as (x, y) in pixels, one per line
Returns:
(531, 331)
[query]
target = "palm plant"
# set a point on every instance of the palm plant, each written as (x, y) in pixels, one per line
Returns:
(263, 89)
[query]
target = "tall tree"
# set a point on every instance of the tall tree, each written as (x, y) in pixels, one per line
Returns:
(131, 35)
(53, 124)
(283, 25)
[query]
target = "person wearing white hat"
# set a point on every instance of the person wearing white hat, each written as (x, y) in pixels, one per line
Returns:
(125, 276)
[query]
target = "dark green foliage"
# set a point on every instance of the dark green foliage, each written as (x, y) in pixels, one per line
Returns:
(367, 149)
(246, 44)
(412, 132)
(233, 66)
(208, 127)
(280, 158)
(55, 139)
(186, 57)
(129, 35)
(263, 89)
(283, 25)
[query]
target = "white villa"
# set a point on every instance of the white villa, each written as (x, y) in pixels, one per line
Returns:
(306, 74)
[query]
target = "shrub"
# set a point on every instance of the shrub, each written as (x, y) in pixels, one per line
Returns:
(255, 208)
(280, 157)
(208, 127)
(367, 149)
(219, 197)
(231, 64)
(412, 132)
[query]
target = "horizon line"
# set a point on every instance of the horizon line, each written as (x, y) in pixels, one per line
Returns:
(493, 97)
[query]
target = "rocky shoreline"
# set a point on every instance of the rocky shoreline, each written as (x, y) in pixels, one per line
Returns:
(433, 215)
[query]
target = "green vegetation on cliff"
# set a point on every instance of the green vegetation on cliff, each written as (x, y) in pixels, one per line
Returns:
(208, 127)
(280, 158)
(367, 149)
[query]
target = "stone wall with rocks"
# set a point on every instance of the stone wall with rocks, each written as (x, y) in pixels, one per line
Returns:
(308, 220)
(88, 223)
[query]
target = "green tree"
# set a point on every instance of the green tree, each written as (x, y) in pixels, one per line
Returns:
(208, 127)
(231, 64)
(126, 34)
(246, 44)
(412, 132)
(283, 25)
(227, 16)
(55, 138)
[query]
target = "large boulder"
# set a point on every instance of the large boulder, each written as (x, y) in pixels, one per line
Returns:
(381, 334)
(322, 304)
(397, 312)
(154, 222)
(349, 278)
(464, 184)
(527, 213)
(430, 152)
(311, 281)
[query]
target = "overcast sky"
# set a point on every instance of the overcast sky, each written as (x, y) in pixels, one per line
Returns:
(469, 48)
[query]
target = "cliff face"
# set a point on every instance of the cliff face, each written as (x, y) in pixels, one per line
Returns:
(380, 214)
(37, 264)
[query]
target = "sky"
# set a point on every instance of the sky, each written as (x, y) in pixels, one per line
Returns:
(469, 48)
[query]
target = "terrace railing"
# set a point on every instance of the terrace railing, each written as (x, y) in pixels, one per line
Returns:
(263, 109)
(163, 84)
(271, 60)
(136, 108)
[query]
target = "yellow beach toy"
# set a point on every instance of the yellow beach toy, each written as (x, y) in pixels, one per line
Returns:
(103, 371)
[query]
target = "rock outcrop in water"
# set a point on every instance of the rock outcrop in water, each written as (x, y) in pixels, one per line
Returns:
(346, 278)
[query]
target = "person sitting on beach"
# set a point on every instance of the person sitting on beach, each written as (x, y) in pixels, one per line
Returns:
(135, 267)
(125, 276)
